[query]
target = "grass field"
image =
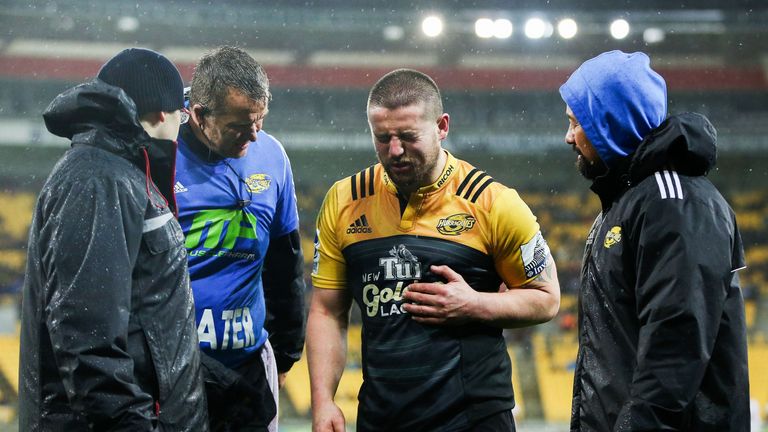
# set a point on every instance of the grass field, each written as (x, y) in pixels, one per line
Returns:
(296, 425)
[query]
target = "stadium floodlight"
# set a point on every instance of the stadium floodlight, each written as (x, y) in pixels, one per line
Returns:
(432, 26)
(619, 29)
(537, 28)
(393, 32)
(653, 35)
(502, 28)
(484, 28)
(127, 24)
(567, 28)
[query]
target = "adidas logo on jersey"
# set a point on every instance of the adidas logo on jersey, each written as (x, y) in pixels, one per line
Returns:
(179, 188)
(360, 226)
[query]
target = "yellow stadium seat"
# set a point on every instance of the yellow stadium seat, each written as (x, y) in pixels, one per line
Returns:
(15, 213)
(346, 395)
(517, 386)
(9, 365)
(555, 375)
(750, 308)
(296, 387)
(758, 375)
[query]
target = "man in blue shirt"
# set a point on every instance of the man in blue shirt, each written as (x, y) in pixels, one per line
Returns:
(237, 207)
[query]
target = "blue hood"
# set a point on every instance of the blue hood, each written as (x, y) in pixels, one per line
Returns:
(618, 99)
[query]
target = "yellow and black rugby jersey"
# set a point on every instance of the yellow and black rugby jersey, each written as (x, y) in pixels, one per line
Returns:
(464, 206)
(419, 377)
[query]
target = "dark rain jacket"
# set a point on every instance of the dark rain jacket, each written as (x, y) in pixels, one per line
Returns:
(662, 335)
(108, 337)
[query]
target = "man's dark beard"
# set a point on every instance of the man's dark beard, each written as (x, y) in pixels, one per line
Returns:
(590, 171)
(404, 186)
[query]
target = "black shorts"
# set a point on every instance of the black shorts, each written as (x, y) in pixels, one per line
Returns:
(248, 406)
(500, 422)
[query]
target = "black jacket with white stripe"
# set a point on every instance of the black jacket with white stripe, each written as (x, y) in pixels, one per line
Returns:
(108, 336)
(662, 335)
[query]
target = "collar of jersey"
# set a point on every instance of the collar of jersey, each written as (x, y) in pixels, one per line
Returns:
(449, 170)
(198, 148)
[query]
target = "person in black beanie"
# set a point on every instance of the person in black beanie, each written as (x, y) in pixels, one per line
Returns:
(108, 337)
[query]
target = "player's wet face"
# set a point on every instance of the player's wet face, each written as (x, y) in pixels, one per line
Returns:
(588, 161)
(407, 143)
(231, 128)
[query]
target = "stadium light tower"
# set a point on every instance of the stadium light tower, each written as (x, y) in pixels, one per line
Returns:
(537, 28)
(502, 28)
(127, 24)
(567, 28)
(653, 35)
(432, 26)
(484, 28)
(619, 29)
(393, 32)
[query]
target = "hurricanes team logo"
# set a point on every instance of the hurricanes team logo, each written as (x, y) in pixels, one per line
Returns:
(456, 224)
(258, 183)
(612, 237)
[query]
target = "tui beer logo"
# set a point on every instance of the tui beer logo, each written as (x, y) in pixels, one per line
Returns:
(400, 266)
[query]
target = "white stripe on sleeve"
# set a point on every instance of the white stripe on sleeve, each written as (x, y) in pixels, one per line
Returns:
(661, 185)
(677, 184)
(670, 186)
(156, 222)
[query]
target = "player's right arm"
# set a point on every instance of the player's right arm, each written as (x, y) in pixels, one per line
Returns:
(328, 320)
(327, 352)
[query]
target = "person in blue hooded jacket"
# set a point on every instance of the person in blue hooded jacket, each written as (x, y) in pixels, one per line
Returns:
(662, 334)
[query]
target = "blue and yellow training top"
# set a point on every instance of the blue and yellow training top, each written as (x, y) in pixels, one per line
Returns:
(229, 209)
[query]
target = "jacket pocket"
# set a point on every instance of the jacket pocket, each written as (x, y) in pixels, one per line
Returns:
(144, 363)
(162, 233)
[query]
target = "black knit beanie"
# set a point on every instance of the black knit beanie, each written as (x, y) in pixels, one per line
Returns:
(148, 77)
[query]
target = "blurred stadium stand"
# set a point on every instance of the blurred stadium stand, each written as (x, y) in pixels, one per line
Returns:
(506, 117)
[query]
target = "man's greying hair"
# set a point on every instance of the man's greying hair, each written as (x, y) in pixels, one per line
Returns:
(223, 68)
(404, 87)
